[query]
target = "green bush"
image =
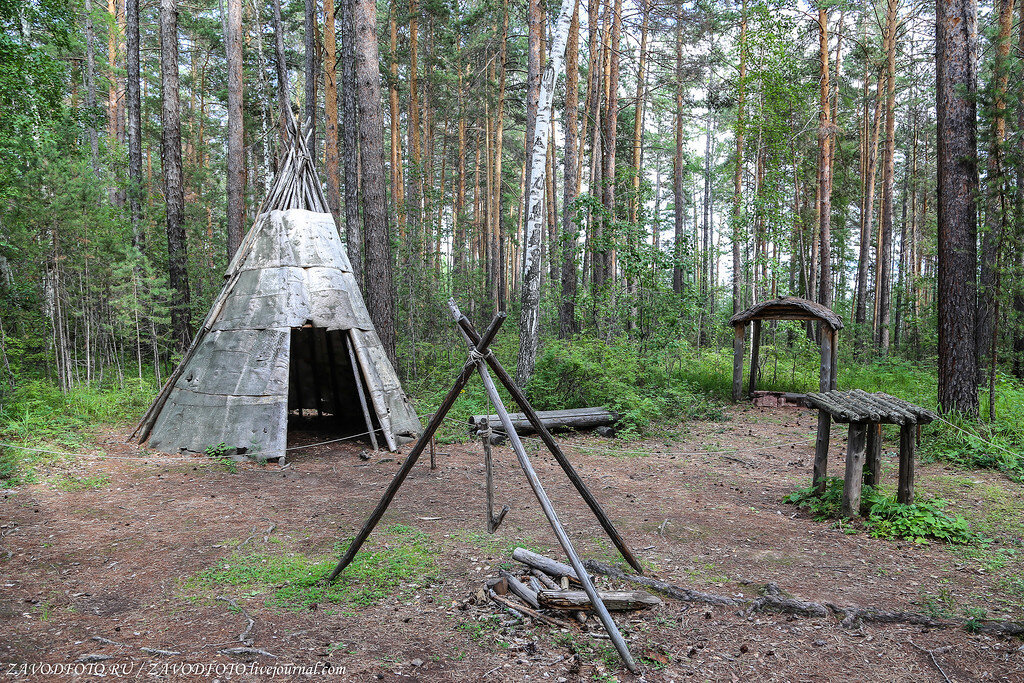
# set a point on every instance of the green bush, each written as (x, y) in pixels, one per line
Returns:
(642, 388)
(920, 521)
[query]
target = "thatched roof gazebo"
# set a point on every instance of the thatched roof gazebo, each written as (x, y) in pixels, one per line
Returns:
(783, 308)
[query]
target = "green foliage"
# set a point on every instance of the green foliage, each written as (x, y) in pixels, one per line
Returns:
(919, 522)
(642, 388)
(219, 454)
(967, 443)
(38, 414)
(295, 581)
(72, 484)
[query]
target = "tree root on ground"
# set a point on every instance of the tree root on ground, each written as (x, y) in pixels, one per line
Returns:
(772, 599)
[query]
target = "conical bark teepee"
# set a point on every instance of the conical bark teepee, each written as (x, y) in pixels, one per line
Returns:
(289, 332)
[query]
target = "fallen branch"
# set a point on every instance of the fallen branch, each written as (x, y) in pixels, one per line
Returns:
(773, 600)
(165, 653)
(931, 654)
(246, 651)
(851, 616)
(243, 637)
(107, 641)
(676, 592)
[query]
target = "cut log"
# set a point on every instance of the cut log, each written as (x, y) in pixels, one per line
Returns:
(552, 568)
(544, 579)
(577, 418)
(615, 601)
(521, 590)
(523, 609)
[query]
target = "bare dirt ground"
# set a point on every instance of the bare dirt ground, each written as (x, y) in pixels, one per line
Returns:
(702, 509)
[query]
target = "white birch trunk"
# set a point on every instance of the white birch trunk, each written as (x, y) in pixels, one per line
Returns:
(529, 317)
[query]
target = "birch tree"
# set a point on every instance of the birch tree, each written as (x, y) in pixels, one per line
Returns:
(529, 317)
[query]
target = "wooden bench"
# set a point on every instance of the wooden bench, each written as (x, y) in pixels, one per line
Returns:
(865, 414)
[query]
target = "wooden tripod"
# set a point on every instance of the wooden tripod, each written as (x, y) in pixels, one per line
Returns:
(480, 357)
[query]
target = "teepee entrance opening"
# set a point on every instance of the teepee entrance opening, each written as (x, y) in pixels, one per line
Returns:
(324, 381)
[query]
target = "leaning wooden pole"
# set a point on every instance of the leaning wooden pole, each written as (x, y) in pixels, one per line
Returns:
(549, 441)
(477, 358)
(417, 450)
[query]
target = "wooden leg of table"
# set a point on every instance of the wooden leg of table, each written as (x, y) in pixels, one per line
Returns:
(873, 461)
(906, 486)
(821, 452)
(855, 450)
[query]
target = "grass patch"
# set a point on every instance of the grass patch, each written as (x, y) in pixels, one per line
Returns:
(38, 415)
(920, 522)
(295, 581)
(72, 484)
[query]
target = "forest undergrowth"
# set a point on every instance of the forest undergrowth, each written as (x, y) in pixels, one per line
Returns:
(652, 386)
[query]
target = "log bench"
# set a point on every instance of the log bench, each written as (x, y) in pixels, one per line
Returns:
(866, 413)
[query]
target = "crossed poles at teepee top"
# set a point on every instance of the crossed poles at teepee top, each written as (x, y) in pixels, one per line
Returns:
(479, 354)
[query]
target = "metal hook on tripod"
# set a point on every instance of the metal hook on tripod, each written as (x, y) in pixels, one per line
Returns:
(493, 522)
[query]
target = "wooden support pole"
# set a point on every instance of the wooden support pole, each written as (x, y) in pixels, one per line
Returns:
(737, 361)
(873, 459)
(460, 382)
(549, 512)
(359, 390)
(827, 339)
(755, 352)
(905, 493)
(821, 451)
(833, 378)
(519, 397)
(855, 449)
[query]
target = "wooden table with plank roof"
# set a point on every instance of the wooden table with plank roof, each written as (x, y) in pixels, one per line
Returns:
(866, 413)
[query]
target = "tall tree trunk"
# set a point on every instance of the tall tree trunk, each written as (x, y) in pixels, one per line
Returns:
(177, 244)
(350, 131)
(824, 166)
(956, 134)
(90, 85)
(995, 213)
(501, 288)
(871, 133)
(459, 245)
(331, 156)
(737, 192)
(379, 286)
(678, 170)
(133, 126)
(415, 167)
(611, 120)
(309, 48)
(397, 180)
(236, 162)
(535, 36)
(529, 318)
(281, 65)
(884, 274)
(570, 230)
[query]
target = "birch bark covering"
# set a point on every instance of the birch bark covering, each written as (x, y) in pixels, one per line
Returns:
(956, 67)
(529, 318)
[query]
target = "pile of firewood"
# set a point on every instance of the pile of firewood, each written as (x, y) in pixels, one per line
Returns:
(549, 591)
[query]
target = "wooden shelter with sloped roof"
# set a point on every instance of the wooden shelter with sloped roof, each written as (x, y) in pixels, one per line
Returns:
(289, 335)
(783, 308)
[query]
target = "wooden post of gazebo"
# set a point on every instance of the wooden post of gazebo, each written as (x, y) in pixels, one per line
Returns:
(783, 308)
